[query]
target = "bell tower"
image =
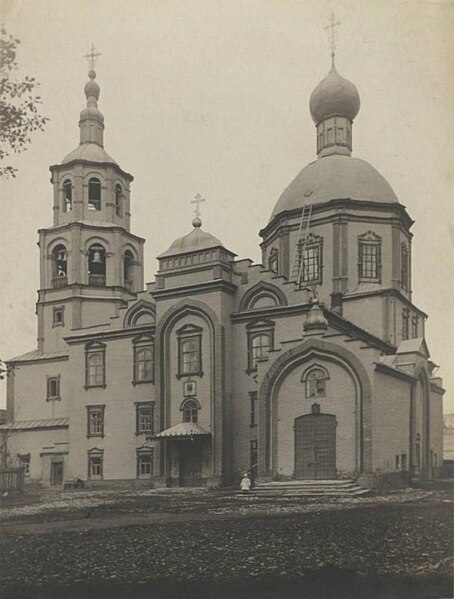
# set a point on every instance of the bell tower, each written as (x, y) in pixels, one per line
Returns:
(90, 262)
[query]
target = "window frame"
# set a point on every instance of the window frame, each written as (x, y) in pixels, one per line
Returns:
(91, 349)
(140, 344)
(405, 324)
(404, 267)
(253, 397)
(414, 326)
(307, 379)
(140, 406)
(314, 242)
(273, 261)
(189, 333)
(67, 201)
(118, 192)
(24, 462)
(92, 454)
(96, 409)
(56, 310)
(190, 403)
(253, 330)
(49, 380)
(369, 240)
(142, 452)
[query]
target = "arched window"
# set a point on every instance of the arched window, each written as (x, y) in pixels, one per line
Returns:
(259, 347)
(59, 266)
(190, 411)
(128, 269)
(118, 200)
(97, 265)
(67, 196)
(94, 194)
(315, 380)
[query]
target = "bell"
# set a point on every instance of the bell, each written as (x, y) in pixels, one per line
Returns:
(96, 257)
(61, 256)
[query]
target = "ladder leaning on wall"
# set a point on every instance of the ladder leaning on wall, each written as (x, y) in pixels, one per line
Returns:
(297, 271)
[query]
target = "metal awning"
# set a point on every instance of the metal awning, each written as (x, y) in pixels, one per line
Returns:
(182, 430)
(22, 425)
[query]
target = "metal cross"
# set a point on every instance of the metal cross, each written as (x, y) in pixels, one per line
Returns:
(333, 24)
(197, 200)
(92, 56)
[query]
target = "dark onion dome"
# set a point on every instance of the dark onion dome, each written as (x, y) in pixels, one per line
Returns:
(334, 96)
(192, 242)
(335, 177)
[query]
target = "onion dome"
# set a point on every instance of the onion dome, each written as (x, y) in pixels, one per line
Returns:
(315, 321)
(334, 96)
(91, 126)
(194, 241)
(335, 177)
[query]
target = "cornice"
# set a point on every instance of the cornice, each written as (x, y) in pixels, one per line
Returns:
(185, 290)
(385, 292)
(92, 226)
(398, 374)
(82, 162)
(337, 204)
(115, 334)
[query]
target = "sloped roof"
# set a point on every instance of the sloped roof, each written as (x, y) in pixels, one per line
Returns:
(183, 429)
(413, 346)
(21, 425)
(37, 355)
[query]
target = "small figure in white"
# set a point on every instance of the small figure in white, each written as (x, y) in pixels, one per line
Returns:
(245, 484)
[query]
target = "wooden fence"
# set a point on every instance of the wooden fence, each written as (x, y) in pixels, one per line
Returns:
(12, 480)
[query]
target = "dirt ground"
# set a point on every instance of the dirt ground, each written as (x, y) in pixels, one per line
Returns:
(172, 545)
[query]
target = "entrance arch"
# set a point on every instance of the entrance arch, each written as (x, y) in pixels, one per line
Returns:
(323, 352)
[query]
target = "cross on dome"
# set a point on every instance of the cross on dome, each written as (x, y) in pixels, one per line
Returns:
(196, 222)
(332, 42)
(92, 56)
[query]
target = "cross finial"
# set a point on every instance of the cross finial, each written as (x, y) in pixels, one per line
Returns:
(332, 42)
(197, 201)
(92, 56)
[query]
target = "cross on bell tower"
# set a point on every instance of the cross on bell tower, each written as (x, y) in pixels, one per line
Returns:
(196, 222)
(92, 56)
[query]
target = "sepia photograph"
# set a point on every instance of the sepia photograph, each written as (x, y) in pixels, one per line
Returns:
(226, 262)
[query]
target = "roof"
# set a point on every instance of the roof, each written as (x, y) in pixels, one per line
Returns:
(92, 152)
(334, 95)
(192, 242)
(21, 425)
(37, 355)
(413, 346)
(183, 429)
(335, 177)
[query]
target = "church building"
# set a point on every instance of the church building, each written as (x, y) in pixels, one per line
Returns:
(310, 365)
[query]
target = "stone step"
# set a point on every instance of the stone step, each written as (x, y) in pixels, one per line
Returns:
(309, 488)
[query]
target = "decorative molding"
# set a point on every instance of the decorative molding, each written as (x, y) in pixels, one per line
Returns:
(262, 289)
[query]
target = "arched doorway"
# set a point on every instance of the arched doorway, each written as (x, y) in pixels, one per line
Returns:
(315, 445)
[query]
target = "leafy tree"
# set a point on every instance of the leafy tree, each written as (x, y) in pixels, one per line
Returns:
(19, 115)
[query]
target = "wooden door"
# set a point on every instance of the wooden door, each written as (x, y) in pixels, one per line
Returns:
(190, 463)
(315, 447)
(56, 474)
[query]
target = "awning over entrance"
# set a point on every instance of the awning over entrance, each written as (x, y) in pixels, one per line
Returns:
(182, 430)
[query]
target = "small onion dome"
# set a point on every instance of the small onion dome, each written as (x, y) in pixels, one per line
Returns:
(334, 96)
(194, 241)
(315, 320)
(91, 87)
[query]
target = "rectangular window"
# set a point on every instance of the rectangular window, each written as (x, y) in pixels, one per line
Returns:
(95, 465)
(24, 462)
(405, 324)
(95, 365)
(253, 404)
(397, 462)
(145, 463)
(414, 327)
(404, 267)
(144, 418)
(58, 319)
(312, 264)
(259, 346)
(143, 364)
(369, 261)
(95, 421)
(253, 456)
(53, 387)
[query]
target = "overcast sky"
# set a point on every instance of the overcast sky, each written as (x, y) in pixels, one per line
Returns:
(211, 96)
